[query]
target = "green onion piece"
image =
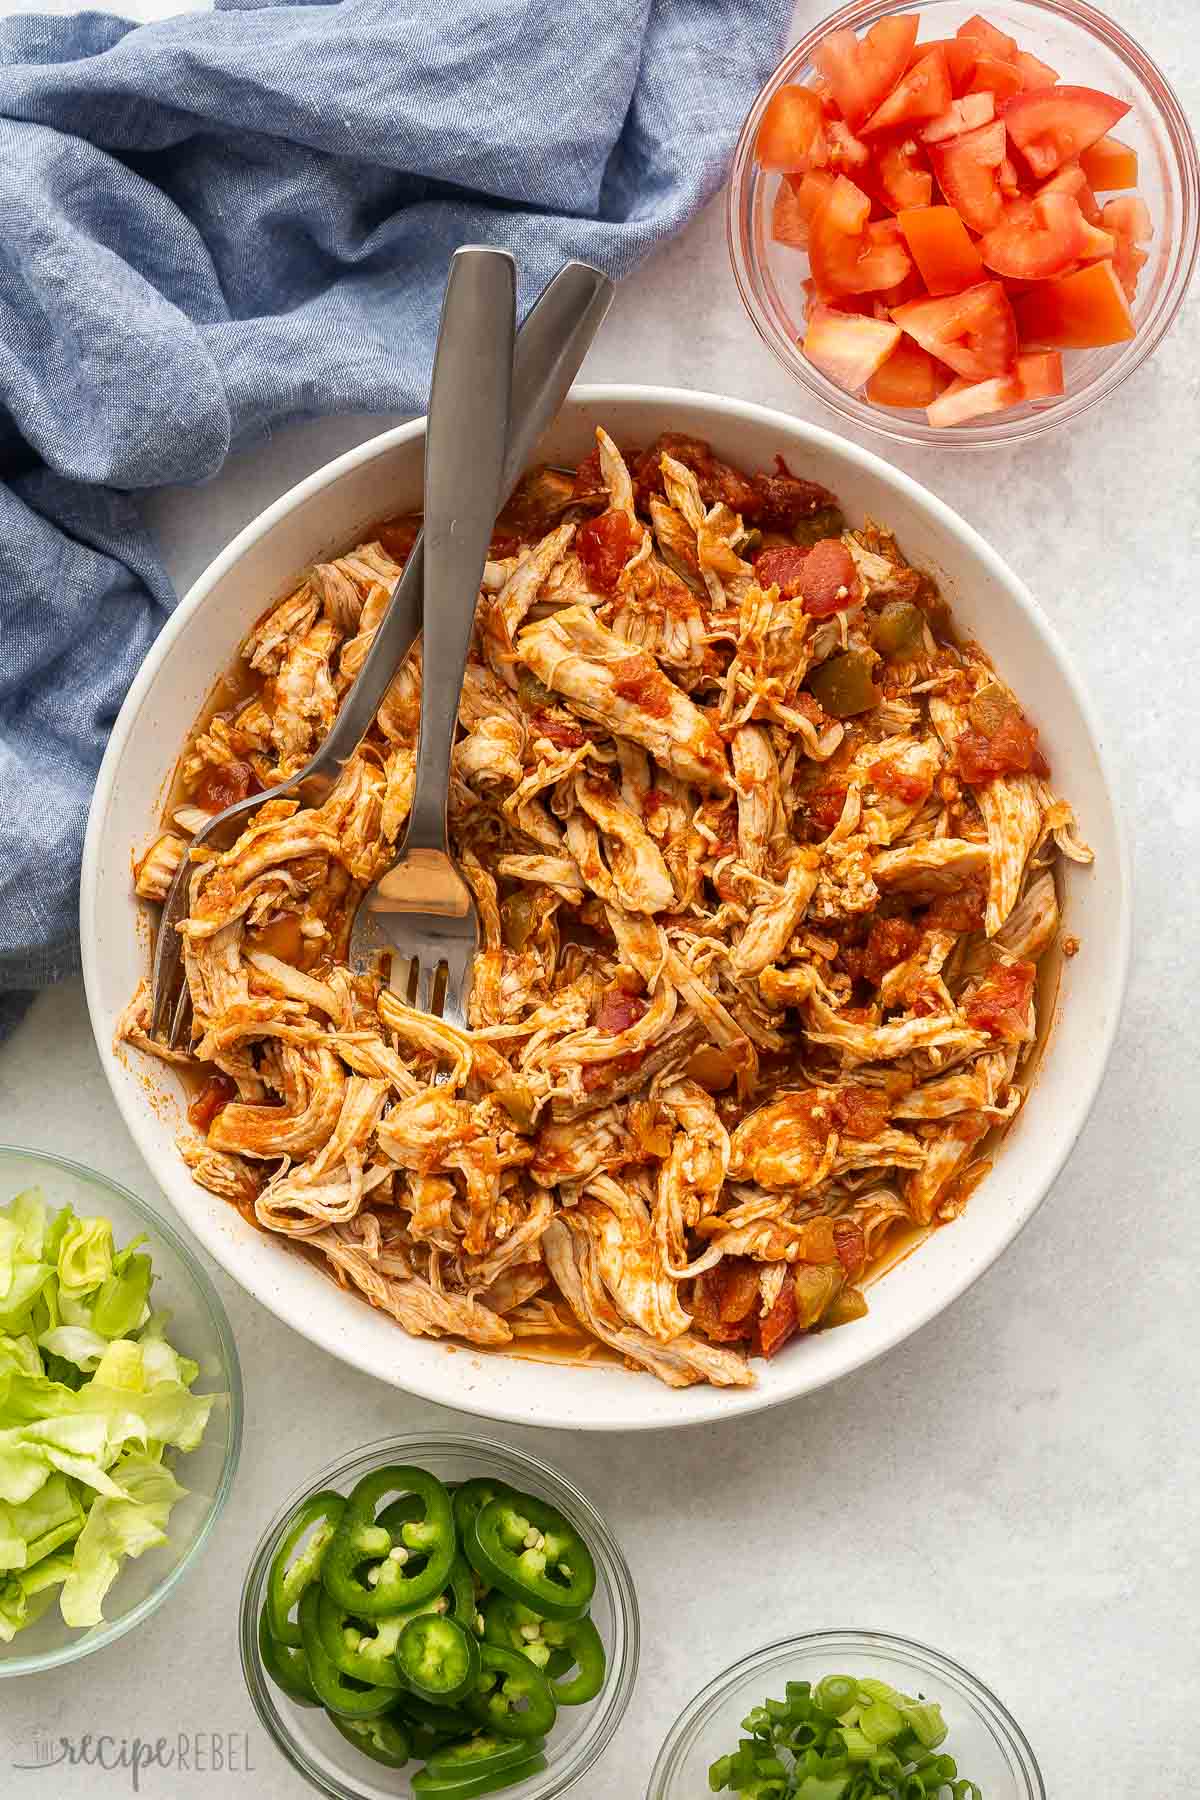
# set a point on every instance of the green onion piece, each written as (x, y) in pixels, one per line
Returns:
(880, 1722)
(836, 1694)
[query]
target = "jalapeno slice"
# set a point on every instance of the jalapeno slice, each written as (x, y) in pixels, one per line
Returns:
(530, 1551)
(337, 1692)
(481, 1755)
(583, 1645)
(460, 1592)
(471, 1498)
(287, 1667)
(471, 1785)
(437, 1658)
(444, 1721)
(364, 1648)
(512, 1699)
(297, 1562)
(514, 1626)
(362, 1542)
(383, 1739)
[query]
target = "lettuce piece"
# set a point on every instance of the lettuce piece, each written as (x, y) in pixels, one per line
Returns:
(74, 1344)
(85, 1257)
(25, 1597)
(79, 1446)
(115, 1529)
(122, 1304)
(19, 1356)
(53, 1517)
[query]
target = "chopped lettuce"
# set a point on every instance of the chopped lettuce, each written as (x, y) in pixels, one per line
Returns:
(92, 1395)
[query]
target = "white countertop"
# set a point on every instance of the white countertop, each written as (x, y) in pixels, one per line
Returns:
(1015, 1485)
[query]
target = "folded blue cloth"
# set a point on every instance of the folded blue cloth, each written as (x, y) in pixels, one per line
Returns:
(222, 221)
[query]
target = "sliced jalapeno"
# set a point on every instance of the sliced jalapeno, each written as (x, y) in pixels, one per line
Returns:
(337, 1692)
(460, 1592)
(443, 1721)
(403, 1567)
(482, 1755)
(585, 1648)
(471, 1785)
(363, 1648)
(384, 1739)
(297, 1562)
(530, 1551)
(514, 1626)
(287, 1667)
(512, 1699)
(471, 1498)
(438, 1659)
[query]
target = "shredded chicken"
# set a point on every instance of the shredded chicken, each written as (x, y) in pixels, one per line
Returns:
(755, 982)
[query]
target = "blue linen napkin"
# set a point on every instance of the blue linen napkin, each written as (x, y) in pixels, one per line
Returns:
(223, 221)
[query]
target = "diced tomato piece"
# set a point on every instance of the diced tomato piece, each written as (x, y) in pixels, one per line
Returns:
(1127, 220)
(604, 545)
(1081, 311)
(848, 349)
(847, 153)
(223, 784)
(1033, 72)
(781, 1322)
(862, 72)
(962, 115)
(1043, 237)
(789, 222)
(1008, 746)
(829, 581)
(619, 1010)
(725, 1300)
(942, 249)
(960, 59)
(1070, 179)
(973, 332)
(909, 377)
(781, 566)
(1007, 178)
(791, 137)
(1038, 375)
(1000, 1004)
(1052, 125)
(966, 168)
(795, 203)
(901, 175)
(965, 400)
(1108, 164)
(848, 255)
(1000, 79)
(911, 288)
(922, 93)
(990, 41)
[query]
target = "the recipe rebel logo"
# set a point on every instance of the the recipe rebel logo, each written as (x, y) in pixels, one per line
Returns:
(203, 1754)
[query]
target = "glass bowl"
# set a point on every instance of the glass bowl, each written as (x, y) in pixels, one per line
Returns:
(199, 1329)
(305, 1735)
(1088, 50)
(982, 1735)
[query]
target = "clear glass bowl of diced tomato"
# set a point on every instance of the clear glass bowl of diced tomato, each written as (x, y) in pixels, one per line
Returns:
(964, 226)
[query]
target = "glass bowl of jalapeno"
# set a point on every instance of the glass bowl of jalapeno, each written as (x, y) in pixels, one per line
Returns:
(847, 1712)
(439, 1617)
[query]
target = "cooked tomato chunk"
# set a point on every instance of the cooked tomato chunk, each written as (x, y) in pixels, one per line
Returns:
(604, 545)
(1000, 1004)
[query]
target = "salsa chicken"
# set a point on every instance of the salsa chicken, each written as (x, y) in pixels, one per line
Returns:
(765, 863)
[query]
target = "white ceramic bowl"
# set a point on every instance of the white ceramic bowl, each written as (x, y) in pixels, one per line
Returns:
(325, 515)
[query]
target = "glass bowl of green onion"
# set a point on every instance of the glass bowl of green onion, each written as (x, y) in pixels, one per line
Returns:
(847, 1715)
(120, 1410)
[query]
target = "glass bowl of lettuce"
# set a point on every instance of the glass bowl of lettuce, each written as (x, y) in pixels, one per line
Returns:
(120, 1410)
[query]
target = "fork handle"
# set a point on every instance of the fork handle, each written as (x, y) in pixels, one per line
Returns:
(465, 439)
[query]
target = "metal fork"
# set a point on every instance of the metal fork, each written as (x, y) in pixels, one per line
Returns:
(422, 905)
(551, 345)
